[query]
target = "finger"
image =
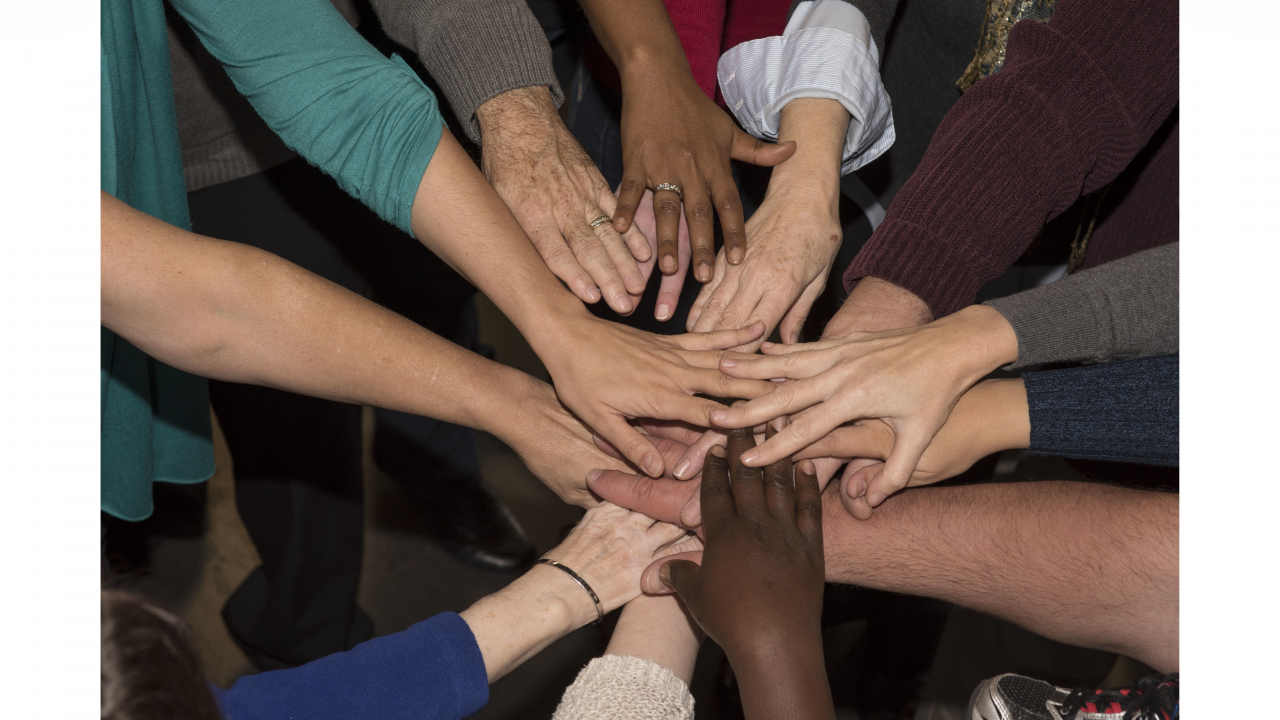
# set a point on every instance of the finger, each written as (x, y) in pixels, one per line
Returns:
(705, 293)
(713, 309)
(853, 489)
(804, 430)
(779, 491)
(719, 339)
(660, 578)
(794, 318)
(555, 252)
(869, 439)
(743, 308)
(666, 213)
(786, 399)
(908, 447)
(716, 493)
(702, 228)
(690, 464)
(782, 348)
(620, 255)
(661, 534)
(635, 448)
(748, 482)
(594, 257)
(680, 432)
(671, 285)
(694, 410)
(794, 365)
(759, 152)
(808, 503)
(637, 243)
(630, 190)
(662, 500)
(729, 207)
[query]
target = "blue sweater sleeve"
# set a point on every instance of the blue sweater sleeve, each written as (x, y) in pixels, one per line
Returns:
(366, 120)
(432, 671)
(1123, 411)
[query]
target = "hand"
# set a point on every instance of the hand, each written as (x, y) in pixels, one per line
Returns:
(990, 417)
(910, 378)
(668, 498)
(607, 373)
(673, 133)
(555, 191)
(758, 589)
(875, 304)
(793, 239)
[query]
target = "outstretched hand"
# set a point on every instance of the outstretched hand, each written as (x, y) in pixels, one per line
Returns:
(758, 589)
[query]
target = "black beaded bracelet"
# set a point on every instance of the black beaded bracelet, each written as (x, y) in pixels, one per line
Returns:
(578, 578)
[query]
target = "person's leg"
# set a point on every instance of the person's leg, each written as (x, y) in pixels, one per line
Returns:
(299, 478)
(1087, 564)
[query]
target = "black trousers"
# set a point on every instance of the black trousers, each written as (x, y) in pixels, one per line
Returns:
(298, 461)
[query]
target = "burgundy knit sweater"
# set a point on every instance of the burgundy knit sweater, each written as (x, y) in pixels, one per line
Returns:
(1075, 103)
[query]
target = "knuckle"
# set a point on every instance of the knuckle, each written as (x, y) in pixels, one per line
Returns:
(701, 211)
(632, 185)
(667, 207)
(802, 427)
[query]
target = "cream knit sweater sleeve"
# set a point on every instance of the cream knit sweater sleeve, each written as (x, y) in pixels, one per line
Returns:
(620, 687)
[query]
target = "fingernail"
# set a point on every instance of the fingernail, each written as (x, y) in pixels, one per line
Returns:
(704, 273)
(623, 303)
(727, 362)
(668, 264)
(594, 475)
(664, 574)
(682, 469)
(875, 499)
(592, 295)
(691, 513)
(735, 256)
(663, 312)
(718, 416)
(653, 466)
(653, 584)
(749, 457)
(766, 344)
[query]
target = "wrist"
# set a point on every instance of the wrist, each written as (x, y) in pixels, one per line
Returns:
(519, 108)
(993, 342)
(567, 605)
(819, 127)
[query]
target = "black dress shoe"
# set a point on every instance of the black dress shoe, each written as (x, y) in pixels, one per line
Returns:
(467, 520)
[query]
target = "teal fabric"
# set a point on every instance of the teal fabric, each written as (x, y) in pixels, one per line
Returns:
(366, 120)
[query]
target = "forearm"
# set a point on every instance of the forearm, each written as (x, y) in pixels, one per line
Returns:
(784, 678)
(637, 34)
(1019, 551)
(458, 216)
(517, 622)
(232, 312)
(658, 628)
(818, 127)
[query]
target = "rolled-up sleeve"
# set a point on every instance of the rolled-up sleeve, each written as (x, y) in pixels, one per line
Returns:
(364, 119)
(826, 51)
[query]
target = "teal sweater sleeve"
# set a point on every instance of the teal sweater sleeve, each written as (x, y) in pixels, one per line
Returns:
(366, 120)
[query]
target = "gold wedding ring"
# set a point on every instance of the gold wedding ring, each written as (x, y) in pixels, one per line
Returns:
(669, 187)
(600, 221)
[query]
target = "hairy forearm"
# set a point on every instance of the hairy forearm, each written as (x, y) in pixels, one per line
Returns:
(1088, 564)
(231, 312)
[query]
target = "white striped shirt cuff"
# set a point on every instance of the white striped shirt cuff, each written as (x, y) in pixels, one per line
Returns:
(758, 78)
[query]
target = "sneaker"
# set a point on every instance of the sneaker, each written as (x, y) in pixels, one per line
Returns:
(1016, 697)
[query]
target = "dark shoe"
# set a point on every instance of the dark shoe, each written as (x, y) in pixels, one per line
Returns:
(477, 528)
(1016, 697)
(467, 520)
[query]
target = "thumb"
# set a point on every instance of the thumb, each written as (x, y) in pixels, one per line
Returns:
(675, 573)
(759, 152)
(908, 448)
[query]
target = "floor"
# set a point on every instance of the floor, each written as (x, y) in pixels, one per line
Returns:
(195, 567)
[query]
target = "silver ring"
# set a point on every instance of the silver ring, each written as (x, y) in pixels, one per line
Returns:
(578, 578)
(600, 221)
(669, 187)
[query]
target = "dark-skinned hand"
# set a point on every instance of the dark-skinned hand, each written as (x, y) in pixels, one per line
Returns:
(758, 589)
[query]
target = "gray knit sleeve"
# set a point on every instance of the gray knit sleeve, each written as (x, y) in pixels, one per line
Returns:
(1124, 309)
(474, 49)
(620, 687)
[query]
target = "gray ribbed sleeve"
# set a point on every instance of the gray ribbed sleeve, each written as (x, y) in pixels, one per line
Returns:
(620, 687)
(1121, 310)
(475, 49)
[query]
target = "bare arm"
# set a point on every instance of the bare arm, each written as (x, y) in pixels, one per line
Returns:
(232, 312)
(1087, 564)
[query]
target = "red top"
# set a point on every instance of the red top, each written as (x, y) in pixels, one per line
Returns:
(1076, 101)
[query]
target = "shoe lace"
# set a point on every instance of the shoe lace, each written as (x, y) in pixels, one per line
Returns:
(1139, 701)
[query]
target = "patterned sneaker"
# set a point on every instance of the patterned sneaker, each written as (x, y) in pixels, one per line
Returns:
(1016, 697)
